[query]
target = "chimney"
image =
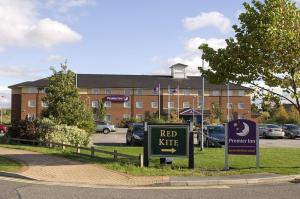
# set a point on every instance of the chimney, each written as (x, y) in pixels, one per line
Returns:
(178, 71)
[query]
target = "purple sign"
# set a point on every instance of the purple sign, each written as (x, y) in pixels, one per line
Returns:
(241, 137)
(117, 98)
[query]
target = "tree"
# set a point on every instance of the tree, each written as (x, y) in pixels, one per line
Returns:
(216, 115)
(281, 115)
(100, 110)
(294, 116)
(264, 51)
(63, 100)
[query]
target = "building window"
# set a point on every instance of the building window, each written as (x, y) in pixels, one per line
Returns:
(107, 118)
(127, 104)
(108, 91)
(186, 91)
(139, 91)
(30, 116)
(139, 104)
(241, 93)
(95, 91)
(127, 91)
(241, 105)
(171, 105)
(44, 104)
(241, 117)
(200, 103)
(126, 116)
(107, 104)
(94, 104)
(229, 106)
(31, 103)
(186, 105)
(230, 92)
(154, 104)
(215, 93)
(139, 117)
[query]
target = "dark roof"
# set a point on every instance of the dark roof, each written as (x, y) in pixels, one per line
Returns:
(134, 81)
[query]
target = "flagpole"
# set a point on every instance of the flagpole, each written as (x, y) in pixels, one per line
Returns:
(158, 101)
(178, 101)
(202, 110)
(168, 102)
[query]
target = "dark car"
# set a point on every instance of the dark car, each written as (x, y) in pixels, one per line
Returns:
(3, 128)
(291, 131)
(135, 134)
(214, 135)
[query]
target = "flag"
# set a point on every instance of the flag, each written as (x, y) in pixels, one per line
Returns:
(173, 90)
(156, 89)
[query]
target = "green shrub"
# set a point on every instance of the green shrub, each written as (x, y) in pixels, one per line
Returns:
(24, 129)
(68, 134)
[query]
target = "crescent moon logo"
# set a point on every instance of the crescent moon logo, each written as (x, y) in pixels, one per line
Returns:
(245, 131)
(126, 98)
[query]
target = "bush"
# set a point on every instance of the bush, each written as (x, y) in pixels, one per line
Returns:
(68, 134)
(24, 129)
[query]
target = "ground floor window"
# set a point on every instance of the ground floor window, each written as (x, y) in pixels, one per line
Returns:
(126, 116)
(139, 117)
(107, 118)
(171, 105)
(186, 105)
(30, 116)
(154, 104)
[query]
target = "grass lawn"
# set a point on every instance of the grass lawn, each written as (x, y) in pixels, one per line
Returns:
(209, 162)
(9, 165)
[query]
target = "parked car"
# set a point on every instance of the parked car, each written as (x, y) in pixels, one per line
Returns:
(214, 135)
(272, 131)
(291, 131)
(261, 129)
(3, 129)
(135, 134)
(105, 127)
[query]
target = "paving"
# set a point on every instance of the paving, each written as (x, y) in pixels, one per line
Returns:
(57, 169)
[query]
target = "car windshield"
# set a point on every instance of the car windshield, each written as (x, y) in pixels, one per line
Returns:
(293, 126)
(216, 129)
(138, 128)
(273, 126)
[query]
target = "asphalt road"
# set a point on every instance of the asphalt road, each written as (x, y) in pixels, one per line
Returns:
(118, 138)
(14, 190)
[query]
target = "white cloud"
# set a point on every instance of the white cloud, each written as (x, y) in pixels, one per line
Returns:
(193, 44)
(56, 58)
(21, 27)
(191, 56)
(19, 72)
(65, 5)
(208, 19)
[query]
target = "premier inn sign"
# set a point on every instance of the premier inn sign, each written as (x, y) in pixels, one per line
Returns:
(168, 140)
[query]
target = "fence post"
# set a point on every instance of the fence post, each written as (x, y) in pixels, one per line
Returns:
(63, 145)
(141, 159)
(92, 151)
(115, 155)
(78, 149)
(50, 145)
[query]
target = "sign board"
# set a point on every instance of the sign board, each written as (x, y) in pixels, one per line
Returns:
(241, 137)
(168, 140)
(117, 98)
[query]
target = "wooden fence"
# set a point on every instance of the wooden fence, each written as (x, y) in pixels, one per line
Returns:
(78, 148)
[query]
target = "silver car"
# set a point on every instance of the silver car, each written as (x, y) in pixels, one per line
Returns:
(105, 127)
(271, 131)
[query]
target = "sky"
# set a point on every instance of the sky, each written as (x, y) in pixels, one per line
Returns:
(108, 37)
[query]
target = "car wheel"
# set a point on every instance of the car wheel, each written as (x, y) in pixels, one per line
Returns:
(127, 141)
(106, 131)
(132, 142)
(264, 135)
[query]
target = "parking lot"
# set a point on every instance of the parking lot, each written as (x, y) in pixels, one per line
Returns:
(118, 138)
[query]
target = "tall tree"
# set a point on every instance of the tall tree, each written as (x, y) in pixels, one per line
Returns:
(265, 50)
(64, 104)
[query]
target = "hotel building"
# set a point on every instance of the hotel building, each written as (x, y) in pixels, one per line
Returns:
(139, 96)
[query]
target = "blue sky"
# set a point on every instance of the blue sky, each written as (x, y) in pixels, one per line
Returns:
(113, 37)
